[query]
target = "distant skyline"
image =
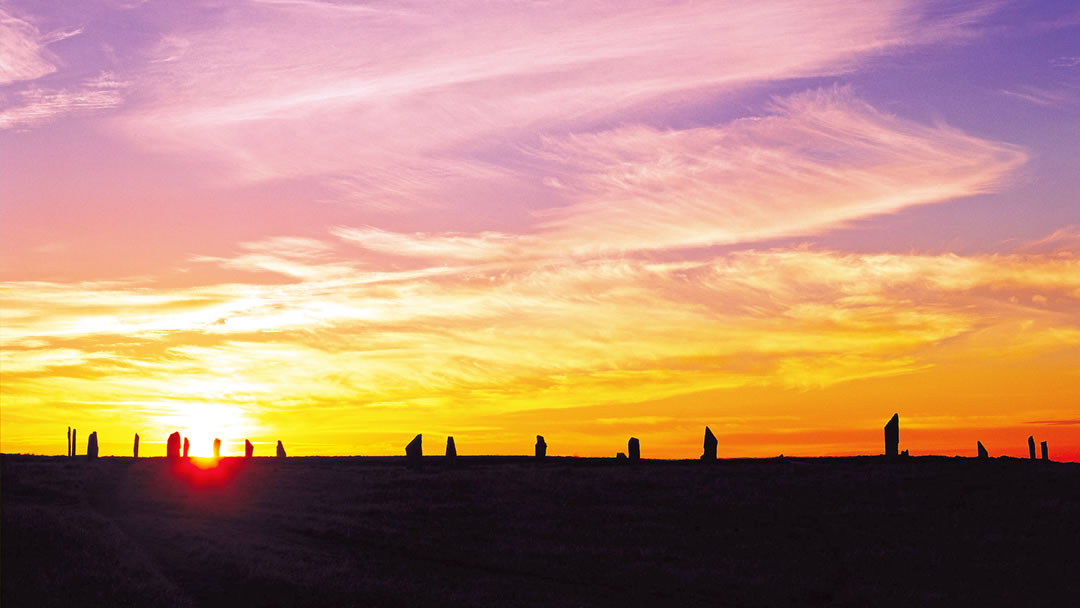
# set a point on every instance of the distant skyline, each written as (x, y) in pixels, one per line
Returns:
(342, 224)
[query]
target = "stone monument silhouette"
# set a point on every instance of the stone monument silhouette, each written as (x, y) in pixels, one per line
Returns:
(172, 449)
(892, 436)
(92, 446)
(709, 455)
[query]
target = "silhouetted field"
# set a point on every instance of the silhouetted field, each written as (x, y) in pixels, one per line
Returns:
(568, 532)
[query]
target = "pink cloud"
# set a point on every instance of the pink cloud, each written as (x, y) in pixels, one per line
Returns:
(23, 55)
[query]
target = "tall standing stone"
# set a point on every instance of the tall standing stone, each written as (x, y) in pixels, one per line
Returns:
(136, 445)
(982, 451)
(414, 452)
(1031, 447)
(1045, 451)
(280, 449)
(541, 447)
(172, 448)
(69, 443)
(710, 446)
(187, 447)
(249, 450)
(74, 435)
(91, 446)
(217, 448)
(633, 448)
(451, 451)
(892, 436)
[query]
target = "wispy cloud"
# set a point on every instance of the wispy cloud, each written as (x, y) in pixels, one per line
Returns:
(1042, 96)
(1071, 61)
(435, 89)
(821, 159)
(37, 105)
(23, 52)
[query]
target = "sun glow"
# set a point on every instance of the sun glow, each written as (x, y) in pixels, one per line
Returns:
(201, 423)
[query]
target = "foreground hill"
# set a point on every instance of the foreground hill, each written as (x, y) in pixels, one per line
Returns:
(568, 532)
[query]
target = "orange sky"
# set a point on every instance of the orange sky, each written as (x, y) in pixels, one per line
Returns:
(340, 225)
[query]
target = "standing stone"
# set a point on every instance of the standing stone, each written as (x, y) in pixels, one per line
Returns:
(414, 452)
(69, 443)
(1031, 447)
(91, 446)
(217, 448)
(172, 449)
(280, 449)
(136, 445)
(249, 449)
(892, 436)
(541, 447)
(451, 451)
(1045, 451)
(982, 451)
(187, 447)
(710, 446)
(634, 449)
(74, 434)
(620, 457)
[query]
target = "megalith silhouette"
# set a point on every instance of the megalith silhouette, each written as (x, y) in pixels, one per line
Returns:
(982, 451)
(217, 448)
(892, 436)
(249, 450)
(69, 443)
(1045, 451)
(414, 452)
(710, 446)
(172, 449)
(633, 448)
(451, 451)
(280, 449)
(620, 457)
(91, 446)
(187, 447)
(1031, 447)
(136, 445)
(541, 447)
(74, 434)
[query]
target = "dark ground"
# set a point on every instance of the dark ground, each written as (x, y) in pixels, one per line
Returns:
(569, 532)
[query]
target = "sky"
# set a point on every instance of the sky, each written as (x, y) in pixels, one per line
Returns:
(340, 224)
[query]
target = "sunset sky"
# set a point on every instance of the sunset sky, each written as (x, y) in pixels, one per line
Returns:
(341, 224)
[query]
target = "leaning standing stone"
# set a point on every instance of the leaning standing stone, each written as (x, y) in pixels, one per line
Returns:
(280, 450)
(1031, 447)
(414, 452)
(982, 451)
(892, 436)
(710, 446)
(187, 447)
(249, 449)
(1045, 451)
(136, 445)
(541, 447)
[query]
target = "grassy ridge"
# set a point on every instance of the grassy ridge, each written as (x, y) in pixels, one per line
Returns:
(506, 531)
